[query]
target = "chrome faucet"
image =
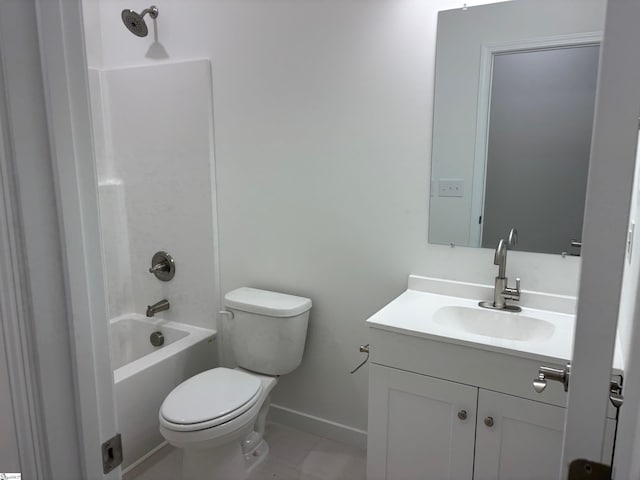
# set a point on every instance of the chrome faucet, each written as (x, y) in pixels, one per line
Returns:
(160, 306)
(501, 292)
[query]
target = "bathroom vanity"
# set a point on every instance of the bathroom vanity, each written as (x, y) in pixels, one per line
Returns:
(450, 385)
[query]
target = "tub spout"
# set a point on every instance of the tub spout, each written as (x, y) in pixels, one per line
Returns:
(160, 306)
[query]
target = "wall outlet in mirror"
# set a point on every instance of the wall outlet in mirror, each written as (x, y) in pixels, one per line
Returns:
(451, 187)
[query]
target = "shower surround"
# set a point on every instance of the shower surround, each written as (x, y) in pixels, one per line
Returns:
(153, 130)
(154, 142)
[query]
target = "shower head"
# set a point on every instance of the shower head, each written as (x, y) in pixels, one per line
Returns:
(135, 21)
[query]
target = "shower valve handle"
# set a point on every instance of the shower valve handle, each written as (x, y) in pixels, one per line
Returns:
(163, 266)
(160, 267)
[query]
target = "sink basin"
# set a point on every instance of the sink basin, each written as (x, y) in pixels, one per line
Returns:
(492, 323)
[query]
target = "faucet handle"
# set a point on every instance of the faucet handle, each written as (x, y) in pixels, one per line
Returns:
(512, 293)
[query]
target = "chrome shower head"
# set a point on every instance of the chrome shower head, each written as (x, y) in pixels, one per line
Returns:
(135, 21)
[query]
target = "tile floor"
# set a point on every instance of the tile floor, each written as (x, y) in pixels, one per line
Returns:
(293, 455)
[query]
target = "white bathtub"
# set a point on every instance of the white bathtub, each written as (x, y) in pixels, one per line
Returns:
(144, 374)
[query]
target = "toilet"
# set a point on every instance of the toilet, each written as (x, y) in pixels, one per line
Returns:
(218, 416)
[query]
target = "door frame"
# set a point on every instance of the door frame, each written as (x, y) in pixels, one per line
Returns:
(66, 91)
(626, 461)
(16, 323)
(33, 283)
(609, 189)
(487, 53)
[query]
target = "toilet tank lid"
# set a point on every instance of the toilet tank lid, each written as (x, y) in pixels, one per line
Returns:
(264, 302)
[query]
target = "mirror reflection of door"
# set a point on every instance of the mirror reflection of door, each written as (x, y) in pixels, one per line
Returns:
(541, 116)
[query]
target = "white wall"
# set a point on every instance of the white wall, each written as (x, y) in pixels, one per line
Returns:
(323, 114)
(154, 131)
(458, 80)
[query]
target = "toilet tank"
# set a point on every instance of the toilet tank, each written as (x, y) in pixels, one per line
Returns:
(268, 330)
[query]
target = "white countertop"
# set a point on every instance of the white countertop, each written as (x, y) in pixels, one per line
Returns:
(412, 313)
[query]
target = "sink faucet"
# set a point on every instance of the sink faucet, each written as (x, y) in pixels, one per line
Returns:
(501, 292)
(160, 306)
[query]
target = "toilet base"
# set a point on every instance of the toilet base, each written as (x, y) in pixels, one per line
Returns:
(256, 456)
(226, 462)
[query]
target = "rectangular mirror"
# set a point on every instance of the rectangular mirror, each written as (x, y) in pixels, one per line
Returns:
(515, 88)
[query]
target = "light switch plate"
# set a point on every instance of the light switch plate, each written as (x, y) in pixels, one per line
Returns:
(451, 187)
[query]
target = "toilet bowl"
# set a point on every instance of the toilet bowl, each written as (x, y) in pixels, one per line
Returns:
(212, 417)
(218, 416)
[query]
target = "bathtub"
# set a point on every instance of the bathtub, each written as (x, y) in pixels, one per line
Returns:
(144, 375)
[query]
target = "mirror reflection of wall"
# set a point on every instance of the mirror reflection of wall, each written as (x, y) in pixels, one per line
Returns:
(513, 112)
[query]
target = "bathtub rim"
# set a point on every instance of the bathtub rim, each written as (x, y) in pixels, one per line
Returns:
(194, 335)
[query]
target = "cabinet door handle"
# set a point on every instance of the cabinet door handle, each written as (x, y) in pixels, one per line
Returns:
(462, 414)
(488, 422)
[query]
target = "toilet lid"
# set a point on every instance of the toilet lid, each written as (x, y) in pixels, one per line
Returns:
(209, 395)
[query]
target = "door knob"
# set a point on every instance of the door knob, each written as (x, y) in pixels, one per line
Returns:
(617, 399)
(462, 415)
(539, 384)
(488, 422)
(615, 391)
(556, 374)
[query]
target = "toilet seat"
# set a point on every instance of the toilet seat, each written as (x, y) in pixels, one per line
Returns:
(209, 399)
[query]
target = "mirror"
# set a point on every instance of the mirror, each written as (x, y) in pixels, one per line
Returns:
(515, 86)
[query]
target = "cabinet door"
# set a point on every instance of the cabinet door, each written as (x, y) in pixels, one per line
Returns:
(415, 430)
(524, 442)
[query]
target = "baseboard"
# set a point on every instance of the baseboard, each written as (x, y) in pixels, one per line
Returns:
(153, 451)
(318, 426)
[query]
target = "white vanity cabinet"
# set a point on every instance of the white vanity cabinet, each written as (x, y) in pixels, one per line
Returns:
(427, 428)
(516, 438)
(451, 393)
(419, 427)
(521, 439)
